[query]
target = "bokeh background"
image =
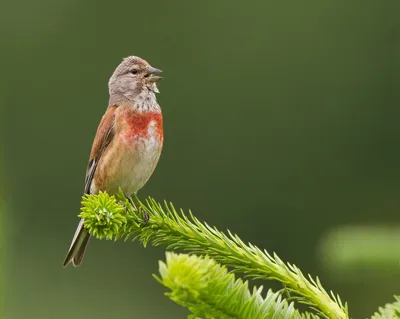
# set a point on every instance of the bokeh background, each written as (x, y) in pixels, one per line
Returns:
(281, 124)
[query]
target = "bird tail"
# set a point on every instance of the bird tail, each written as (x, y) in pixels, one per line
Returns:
(78, 246)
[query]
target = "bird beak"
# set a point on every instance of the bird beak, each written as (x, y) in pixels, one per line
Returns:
(153, 78)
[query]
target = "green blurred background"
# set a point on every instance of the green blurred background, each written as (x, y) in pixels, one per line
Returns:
(281, 124)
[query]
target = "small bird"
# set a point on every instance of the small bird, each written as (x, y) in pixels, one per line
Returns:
(128, 141)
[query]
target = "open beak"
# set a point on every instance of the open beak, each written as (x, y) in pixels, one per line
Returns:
(152, 77)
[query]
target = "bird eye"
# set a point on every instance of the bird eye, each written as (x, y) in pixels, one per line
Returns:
(134, 71)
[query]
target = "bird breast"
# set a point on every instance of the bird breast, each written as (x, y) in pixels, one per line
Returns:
(143, 139)
(132, 157)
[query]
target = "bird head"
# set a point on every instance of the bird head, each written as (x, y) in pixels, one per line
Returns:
(134, 76)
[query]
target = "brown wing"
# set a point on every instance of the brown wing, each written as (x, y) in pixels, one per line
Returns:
(104, 135)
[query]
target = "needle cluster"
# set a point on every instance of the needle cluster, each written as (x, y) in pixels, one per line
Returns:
(208, 290)
(113, 217)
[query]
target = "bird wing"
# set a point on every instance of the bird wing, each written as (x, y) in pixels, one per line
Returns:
(104, 135)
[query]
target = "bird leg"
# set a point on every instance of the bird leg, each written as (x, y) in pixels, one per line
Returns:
(139, 209)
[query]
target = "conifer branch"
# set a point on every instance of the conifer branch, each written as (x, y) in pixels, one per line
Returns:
(115, 217)
(208, 290)
(389, 311)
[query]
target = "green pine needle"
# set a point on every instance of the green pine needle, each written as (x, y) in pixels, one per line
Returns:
(389, 311)
(208, 290)
(106, 218)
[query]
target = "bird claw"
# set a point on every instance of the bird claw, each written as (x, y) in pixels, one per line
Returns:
(146, 216)
(139, 209)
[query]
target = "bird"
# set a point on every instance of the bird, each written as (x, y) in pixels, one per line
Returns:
(128, 142)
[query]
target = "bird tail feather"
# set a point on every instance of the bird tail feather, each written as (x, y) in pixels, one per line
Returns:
(78, 246)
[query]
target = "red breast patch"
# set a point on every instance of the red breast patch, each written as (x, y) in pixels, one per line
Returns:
(139, 123)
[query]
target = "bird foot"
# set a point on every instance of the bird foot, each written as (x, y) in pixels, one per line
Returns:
(139, 209)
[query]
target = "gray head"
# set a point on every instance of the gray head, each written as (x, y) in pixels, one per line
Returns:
(131, 78)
